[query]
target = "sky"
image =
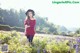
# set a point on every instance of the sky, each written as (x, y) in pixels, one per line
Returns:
(67, 15)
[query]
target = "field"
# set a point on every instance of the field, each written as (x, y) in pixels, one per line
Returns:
(16, 42)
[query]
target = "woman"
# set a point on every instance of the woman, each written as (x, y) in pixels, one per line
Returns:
(30, 23)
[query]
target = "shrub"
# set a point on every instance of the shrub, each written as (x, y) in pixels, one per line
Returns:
(18, 29)
(17, 43)
(4, 38)
(8, 28)
(5, 27)
(59, 47)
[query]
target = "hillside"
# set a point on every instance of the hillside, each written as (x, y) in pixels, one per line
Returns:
(16, 19)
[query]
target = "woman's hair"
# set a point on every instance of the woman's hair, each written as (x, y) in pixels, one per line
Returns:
(30, 10)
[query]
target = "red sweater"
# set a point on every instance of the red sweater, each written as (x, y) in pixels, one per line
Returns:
(30, 30)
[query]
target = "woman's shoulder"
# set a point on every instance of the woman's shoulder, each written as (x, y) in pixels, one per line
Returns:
(26, 18)
(35, 19)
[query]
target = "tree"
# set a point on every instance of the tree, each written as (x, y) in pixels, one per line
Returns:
(13, 18)
(78, 31)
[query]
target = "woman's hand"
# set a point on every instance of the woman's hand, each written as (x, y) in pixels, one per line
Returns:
(26, 26)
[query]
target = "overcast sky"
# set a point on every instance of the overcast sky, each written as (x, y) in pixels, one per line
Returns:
(67, 15)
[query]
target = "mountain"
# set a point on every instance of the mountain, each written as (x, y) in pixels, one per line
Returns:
(63, 29)
(73, 29)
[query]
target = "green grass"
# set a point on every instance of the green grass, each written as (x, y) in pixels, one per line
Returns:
(17, 42)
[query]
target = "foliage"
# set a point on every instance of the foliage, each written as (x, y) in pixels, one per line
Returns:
(78, 31)
(9, 28)
(5, 27)
(18, 43)
(14, 18)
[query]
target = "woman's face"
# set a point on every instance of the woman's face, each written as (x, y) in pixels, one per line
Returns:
(30, 14)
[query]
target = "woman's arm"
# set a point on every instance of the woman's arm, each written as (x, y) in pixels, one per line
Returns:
(25, 23)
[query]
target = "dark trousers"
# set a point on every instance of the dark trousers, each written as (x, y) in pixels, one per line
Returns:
(30, 38)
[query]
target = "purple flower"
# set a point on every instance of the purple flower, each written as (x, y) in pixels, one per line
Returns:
(38, 50)
(77, 48)
(44, 51)
(74, 46)
(78, 40)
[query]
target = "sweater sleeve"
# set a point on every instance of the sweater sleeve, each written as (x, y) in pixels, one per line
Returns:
(25, 22)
